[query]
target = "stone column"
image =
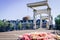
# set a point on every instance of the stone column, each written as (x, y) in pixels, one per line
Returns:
(34, 19)
(46, 0)
(50, 24)
(49, 16)
(40, 21)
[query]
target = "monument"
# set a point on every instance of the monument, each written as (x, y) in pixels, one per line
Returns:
(40, 12)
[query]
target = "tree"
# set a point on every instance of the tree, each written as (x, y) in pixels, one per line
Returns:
(27, 25)
(11, 25)
(6, 23)
(20, 25)
(1, 23)
(26, 18)
(57, 22)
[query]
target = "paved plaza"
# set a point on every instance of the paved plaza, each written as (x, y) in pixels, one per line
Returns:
(13, 35)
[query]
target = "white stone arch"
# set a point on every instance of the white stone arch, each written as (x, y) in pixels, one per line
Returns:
(36, 12)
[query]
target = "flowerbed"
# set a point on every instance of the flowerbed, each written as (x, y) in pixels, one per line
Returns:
(38, 36)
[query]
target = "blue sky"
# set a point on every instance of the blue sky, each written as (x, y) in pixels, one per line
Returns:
(17, 9)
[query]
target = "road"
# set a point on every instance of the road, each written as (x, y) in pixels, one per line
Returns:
(13, 35)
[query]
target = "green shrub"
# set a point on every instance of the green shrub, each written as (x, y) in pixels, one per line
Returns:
(57, 22)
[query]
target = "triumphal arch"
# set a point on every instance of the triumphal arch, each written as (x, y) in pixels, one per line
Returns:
(40, 12)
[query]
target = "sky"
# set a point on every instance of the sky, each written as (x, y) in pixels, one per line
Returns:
(17, 9)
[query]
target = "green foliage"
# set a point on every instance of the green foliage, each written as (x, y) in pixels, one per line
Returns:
(6, 24)
(27, 25)
(1, 23)
(58, 16)
(11, 25)
(20, 25)
(57, 22)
